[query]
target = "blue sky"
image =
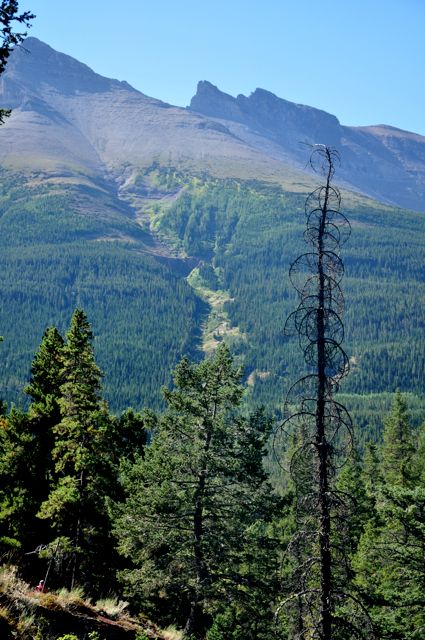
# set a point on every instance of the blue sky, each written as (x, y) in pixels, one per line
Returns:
(362, 60)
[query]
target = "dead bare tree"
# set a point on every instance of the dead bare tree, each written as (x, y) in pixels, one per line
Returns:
(321, 425)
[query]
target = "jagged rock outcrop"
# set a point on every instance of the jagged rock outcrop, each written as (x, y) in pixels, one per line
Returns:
(381, 161)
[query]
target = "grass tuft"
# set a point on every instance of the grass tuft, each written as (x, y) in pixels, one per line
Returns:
(171, 633)
(111, 607)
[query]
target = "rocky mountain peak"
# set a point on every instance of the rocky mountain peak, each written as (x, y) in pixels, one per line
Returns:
(66, 115)
(210, 101)
(36, 65)
(272, 116)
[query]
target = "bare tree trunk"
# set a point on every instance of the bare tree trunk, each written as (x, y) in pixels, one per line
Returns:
(321, 443)
(316, 275)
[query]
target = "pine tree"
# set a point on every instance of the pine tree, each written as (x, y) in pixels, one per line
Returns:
(195, 501)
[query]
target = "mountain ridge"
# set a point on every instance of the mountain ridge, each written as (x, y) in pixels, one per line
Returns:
(375, 161)
(68, 115)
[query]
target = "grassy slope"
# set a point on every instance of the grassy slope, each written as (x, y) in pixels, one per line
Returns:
(26, 614)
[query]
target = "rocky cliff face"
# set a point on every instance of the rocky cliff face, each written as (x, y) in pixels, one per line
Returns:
(283, 122)
(381, 161)
(68, 118)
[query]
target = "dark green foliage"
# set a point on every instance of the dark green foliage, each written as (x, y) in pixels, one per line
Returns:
(398, 445)
(47, 377)
(388, 563)
(27, 443)
(83, 472)
(19, 481)
(56, 256)
(196, 503)
(130, 433)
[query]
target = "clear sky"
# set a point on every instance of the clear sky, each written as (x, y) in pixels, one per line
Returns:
(361, 60)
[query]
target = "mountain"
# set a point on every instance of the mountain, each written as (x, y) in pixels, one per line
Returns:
(76, 118)
(381, 161)
(174, 229)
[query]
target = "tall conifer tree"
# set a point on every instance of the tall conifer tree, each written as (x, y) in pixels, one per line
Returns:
(193, 500)
(26, 464)
(390, 573)
(75, 506)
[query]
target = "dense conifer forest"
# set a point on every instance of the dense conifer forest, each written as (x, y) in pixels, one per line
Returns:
(225, 277)
(174, 512)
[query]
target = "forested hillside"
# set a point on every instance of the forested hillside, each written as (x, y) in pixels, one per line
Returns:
(56, 255)
(149, 306)
(247, 234)
(149, 217)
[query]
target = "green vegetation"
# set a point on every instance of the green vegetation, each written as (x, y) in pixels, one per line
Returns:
(187, 529)
(70, 242)
(198, 507)
(68, 246)
(249, 233)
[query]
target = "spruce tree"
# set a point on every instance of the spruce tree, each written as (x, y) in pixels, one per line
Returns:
(398, 445)
(83, 470)
(390, 573)
(47, 377)
(18, 483)
(26, 465)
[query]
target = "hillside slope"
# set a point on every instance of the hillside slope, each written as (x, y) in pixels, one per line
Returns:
(110, 199)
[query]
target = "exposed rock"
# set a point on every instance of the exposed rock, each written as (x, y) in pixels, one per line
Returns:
(381, 161)
(67, 117)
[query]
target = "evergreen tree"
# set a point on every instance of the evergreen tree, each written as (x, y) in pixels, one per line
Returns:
(18, 482)
(398, 444)
(357, 507)
(196, 501)
(390, 573)
(47, 377)
(83, 472)
(130, 434)
(371, 475)
(26, 449)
